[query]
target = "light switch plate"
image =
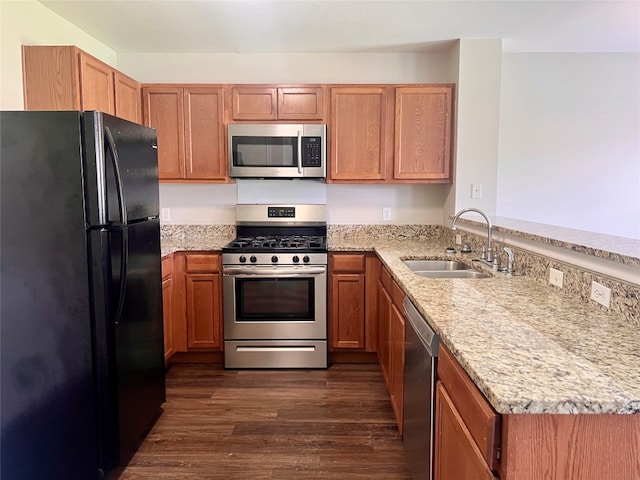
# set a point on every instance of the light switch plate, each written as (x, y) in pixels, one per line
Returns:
(165, 215)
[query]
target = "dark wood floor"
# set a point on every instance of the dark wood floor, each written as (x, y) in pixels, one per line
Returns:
(272, 424)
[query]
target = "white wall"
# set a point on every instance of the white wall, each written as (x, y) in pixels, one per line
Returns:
(30, 23)
(570, 141)
(478, 110)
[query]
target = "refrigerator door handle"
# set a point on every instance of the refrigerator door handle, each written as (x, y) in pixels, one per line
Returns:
(111, 145)
(124, 259)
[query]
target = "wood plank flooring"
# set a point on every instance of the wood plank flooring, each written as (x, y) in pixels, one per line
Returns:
(272, 424)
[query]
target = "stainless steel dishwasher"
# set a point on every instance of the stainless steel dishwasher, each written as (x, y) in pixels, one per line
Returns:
(420, 357)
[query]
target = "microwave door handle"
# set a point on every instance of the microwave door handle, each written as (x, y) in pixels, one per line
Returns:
(299, 152)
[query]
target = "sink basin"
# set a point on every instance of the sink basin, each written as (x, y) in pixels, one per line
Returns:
(431, 265)
(442, 269)
(451, 274)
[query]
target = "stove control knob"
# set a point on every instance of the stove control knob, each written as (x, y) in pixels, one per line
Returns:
(305, 259)
(274, 259)
(253, 259)
(295, 259)
(242, 259)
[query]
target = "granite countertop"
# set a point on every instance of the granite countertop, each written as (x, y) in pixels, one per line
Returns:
(528, 347)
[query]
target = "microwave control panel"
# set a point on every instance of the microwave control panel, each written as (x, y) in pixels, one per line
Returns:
(311, 151)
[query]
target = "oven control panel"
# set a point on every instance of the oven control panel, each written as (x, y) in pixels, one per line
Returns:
(274, 258)
(281, 212)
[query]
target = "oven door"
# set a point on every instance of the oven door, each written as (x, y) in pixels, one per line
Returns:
(275, 302)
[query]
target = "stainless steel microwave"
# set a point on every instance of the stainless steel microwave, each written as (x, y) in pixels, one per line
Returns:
(277, 150)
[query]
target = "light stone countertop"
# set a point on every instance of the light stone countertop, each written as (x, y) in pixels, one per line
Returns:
(528, 347)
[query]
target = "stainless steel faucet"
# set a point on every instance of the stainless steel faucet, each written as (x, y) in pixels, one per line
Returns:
(489, 254)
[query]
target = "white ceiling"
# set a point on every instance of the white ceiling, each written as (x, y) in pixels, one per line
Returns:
(313, 26)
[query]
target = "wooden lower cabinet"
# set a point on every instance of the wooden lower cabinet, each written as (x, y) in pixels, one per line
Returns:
(472, 441)
(204, 301)
(347, 301)
(192, 305)
(167, 307)
(456, 455)
(391, 335)
(352, 302)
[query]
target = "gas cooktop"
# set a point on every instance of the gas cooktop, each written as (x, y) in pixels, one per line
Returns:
(277, 243)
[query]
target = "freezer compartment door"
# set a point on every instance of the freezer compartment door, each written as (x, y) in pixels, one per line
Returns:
(121, 170)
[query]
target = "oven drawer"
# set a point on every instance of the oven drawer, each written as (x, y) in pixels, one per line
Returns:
(275, 354)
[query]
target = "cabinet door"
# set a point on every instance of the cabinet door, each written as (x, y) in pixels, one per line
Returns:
(397, 364)
(163, 111)
(358, 134)
(167, 309)
(254, 103)
(204, 133)
(96, 85)
(300, 103)
(51, 78)
(423, 134)
(203, 310)
(347, 311)
(384, 332)
(128, 99)
(456, 454)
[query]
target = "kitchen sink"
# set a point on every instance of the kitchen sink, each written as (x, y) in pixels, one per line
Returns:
(442, 269)
(431, 265)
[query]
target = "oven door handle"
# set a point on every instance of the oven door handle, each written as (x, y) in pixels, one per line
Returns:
(278, 272)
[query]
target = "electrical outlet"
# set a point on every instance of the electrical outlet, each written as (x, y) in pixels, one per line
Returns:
(386, 213)
(556, 277)
(458, 239)
(600, 294)
(165, 215)
(476, 190)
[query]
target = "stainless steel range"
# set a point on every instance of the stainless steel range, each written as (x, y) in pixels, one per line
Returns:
(275, 288)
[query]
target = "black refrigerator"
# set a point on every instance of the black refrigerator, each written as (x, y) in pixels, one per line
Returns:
(81, 331)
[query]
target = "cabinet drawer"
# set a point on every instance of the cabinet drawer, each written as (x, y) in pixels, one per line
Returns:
(479, 417)
(398, 295)
(203, 262)
(348, 263)
(385, 278)
(167, 266)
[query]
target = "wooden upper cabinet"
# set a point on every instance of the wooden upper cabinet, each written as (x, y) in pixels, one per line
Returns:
(254, 103)
(96, 85)
(66, 78)
(204, 133)
(276, 103)
(190, 125)
(163, 111)
(128, 98)
(423, 117)
(302, 103)
(358, 134)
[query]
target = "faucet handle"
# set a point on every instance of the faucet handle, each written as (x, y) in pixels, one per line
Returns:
(510, 260)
